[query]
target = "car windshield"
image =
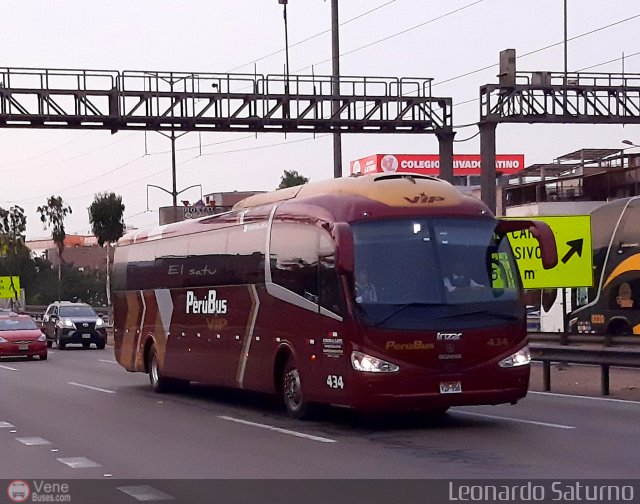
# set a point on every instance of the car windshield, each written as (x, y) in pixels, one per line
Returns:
(17, 324)
(433, 269)
(77, 311)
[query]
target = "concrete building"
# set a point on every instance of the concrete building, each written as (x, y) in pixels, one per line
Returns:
(81, 251)
(210, 204)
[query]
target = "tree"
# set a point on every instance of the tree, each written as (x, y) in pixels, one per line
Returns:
(107, 225)
(13, 225)
(52, 216)
(292, 178)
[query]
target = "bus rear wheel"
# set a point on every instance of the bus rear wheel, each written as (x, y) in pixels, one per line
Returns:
(292, 392)
(158, 382)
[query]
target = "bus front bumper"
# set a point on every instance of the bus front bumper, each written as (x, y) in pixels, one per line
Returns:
(432, 392)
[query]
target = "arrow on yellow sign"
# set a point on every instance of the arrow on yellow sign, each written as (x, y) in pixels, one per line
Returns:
(575, 247)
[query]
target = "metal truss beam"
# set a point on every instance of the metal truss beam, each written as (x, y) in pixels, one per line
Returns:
(577, 103)
(552, 98)
(171, 101)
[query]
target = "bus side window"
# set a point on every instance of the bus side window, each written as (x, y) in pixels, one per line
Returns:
(302, 259)
(627, 237)
(329, 296)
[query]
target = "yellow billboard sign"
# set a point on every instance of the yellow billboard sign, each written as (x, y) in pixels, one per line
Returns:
(575, 261)
(6, 290)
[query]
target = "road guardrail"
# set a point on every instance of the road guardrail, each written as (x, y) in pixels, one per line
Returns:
(589, 339)
(604, 357)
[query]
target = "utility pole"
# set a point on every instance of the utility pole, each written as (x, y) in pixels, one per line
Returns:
(335, 87)
(174, 193)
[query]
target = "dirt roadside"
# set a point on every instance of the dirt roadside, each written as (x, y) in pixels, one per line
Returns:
(624, 383)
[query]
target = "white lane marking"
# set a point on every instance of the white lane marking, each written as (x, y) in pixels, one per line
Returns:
(9, 368)
(78, 462)
(519, 420)
(145, 493)
(107, 361)
(610, 399)
(6, 425)
(33, 441)
(278, 429)
(106, 391)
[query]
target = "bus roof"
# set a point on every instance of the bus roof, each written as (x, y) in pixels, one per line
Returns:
(389, 189)
(401, 192)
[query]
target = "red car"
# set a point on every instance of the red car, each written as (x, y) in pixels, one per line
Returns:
(21, 337)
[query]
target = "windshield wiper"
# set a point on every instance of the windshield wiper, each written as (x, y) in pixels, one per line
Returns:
(401, 308)
(493, 313)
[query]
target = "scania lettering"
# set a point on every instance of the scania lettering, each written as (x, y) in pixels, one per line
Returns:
(280, 309)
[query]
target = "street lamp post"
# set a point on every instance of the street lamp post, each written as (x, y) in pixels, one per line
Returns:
(335, 87)
(286, 43)
(173, 193)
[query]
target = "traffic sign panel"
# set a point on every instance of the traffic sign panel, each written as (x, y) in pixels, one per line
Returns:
(575, 261)
(6, 291)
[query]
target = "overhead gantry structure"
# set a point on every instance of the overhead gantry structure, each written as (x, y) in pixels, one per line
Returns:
(181, 102)
(550, 98)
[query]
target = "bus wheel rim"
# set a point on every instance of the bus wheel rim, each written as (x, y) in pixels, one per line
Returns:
(154, 369)
(292, 389)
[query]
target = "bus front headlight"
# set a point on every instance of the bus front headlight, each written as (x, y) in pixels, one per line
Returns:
(368, 364)
(521, 358)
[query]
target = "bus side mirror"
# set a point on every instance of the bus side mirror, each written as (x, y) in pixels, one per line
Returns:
(344, 247)
(540, 231)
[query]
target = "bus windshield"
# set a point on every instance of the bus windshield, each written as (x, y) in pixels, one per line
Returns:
(433, 269)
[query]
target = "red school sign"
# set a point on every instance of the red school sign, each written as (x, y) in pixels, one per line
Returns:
(429, 164)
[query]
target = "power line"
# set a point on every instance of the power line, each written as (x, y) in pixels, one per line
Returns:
(203, 145)
(626, 56)
(35, 198)
(407, 30)
(488, 67)
(260, 147)
(43, 153)
(307, 139)
(77, 156)
(312, 36)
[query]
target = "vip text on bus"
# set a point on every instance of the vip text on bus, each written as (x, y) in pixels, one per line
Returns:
(376, 293)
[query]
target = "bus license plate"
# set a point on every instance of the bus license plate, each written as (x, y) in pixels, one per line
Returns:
(453, 387)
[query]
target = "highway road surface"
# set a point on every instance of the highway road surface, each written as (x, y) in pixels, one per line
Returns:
(80, 415)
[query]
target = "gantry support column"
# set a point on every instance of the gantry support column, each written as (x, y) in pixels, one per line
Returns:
(445, 146)
(488, 164)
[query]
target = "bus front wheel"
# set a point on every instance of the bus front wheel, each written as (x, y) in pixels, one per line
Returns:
(292, 392)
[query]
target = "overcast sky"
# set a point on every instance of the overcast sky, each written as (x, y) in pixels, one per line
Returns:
(450, 41)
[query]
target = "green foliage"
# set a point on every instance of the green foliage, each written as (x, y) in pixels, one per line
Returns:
(292, 178)
(52, 216)
(106, 217)
(39, 280)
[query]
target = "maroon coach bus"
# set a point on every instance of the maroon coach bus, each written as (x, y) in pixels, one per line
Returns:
(380, 292)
